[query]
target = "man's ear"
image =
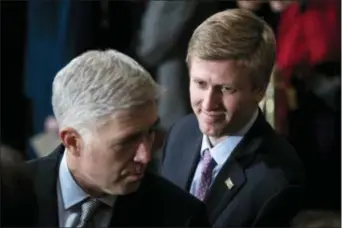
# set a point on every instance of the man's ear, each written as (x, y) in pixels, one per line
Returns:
(72, 140)
(259, 94)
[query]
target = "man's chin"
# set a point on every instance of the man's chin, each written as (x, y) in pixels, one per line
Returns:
(124, 189)
(211, 131)
(131, 187)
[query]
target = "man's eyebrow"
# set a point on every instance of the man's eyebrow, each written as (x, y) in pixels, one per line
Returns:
(196, 78)
(230, 85)
(137, 134)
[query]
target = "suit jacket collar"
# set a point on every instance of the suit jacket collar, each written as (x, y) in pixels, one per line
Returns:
(46, 188)
(222, 192)
(189, 160)
(132, 209)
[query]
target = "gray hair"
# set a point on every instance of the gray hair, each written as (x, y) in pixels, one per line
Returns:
(96, 84)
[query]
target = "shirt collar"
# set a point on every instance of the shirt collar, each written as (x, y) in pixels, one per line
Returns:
(72, 193)
(222, 150)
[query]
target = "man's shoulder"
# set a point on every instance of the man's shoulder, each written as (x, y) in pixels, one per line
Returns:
(186, 126)
(171, 204)
(189, 120)
(272, 141)
(281, 160)
(166, 190)
(31, 164)
(183, 133)
(279, 146)
(42, 164)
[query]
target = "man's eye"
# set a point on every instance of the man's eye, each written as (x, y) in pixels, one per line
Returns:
(152, 131)
(227, 89)
(200, 83)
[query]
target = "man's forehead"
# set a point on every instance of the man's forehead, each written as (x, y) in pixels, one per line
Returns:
(133, 119)
(217, 71)
(136, 113)
(215, 66)
(124, 129)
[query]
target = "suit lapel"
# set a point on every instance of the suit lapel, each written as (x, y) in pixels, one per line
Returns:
(132, 209)
(45, 185)
(183, 153)
(231, 177)
(125, 211)
(190, 155)
(220, 195)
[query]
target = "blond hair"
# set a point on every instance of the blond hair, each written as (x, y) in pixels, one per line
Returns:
(238, 35)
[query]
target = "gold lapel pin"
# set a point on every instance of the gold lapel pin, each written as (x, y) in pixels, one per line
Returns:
(229, 183)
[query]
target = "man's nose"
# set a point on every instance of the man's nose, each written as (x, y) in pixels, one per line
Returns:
(143, 154)
(211, 100)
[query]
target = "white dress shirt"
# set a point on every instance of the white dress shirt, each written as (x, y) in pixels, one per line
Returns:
(70, 196)
(220, 153)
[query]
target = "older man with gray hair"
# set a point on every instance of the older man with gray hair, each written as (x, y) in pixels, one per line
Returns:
(105, 106)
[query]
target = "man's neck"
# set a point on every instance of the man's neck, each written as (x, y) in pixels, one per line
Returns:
(216, 140)
(80, 180)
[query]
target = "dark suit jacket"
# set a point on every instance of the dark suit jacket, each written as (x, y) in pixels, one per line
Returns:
(156, 203)
(267, 175)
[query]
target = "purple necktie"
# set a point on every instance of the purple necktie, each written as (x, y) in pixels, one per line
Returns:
(208, 165)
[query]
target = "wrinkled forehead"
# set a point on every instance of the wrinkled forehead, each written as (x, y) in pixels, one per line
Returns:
(143, 115)
(138, 118)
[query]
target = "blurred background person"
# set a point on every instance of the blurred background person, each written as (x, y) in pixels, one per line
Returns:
(165, 29)
(308, 103)
(17, 198)
(307, 90)
(160, 44)
(9, 155)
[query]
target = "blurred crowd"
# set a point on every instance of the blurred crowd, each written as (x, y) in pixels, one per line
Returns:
(302, 103)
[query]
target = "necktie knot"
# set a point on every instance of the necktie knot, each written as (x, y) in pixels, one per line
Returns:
(207, 158)
(88, 210)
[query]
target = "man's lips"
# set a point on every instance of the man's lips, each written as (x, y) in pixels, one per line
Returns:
(136, 176)
(213, 114)
(212, 117)
(137, 171)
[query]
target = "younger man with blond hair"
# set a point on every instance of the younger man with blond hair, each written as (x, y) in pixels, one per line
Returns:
(226, 154)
